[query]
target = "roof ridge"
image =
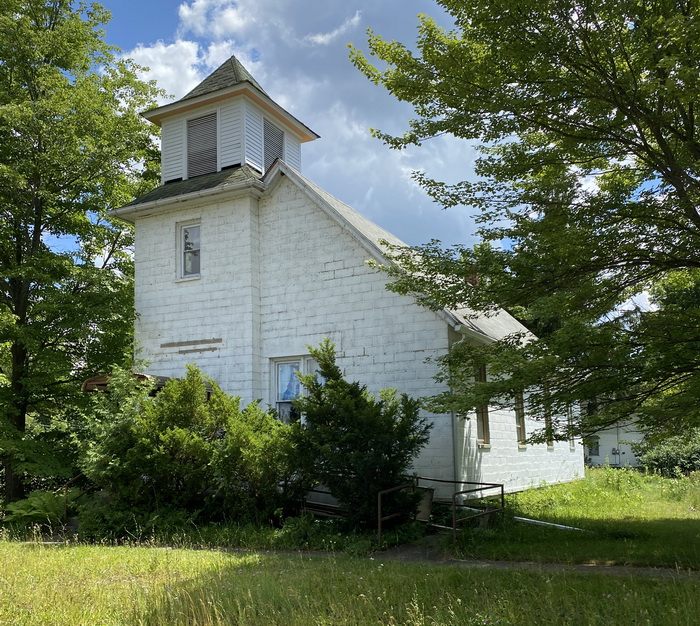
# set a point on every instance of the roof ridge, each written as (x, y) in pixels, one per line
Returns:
(230, 73)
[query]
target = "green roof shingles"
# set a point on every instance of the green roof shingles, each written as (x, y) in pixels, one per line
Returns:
(231, 72)
(223, 178)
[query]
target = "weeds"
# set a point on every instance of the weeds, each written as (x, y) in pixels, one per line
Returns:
(631, 519)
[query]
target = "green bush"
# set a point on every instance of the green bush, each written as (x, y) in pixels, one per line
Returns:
(189, 451)
(254, 464)
(672, 455)
(354, 444)
(46, 509)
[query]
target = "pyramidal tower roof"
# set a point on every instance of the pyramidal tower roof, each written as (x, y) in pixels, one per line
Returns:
(230, 73)
(230, 80)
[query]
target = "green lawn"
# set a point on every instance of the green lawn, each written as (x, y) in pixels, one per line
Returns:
(66, 585)
(627, 519)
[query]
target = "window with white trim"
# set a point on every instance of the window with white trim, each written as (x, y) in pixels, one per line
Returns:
(273, 143)
(202, 154)
(189, 245)
(286, 385)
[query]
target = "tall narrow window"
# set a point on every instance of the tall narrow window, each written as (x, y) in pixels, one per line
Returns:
(519, 408)
(570, 426)
(548, 424)
(483, 434)
(201, 145)
(273, 143)
(190, 247)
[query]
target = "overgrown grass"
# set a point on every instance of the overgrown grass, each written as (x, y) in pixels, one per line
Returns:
(627, 518)
(44, 584)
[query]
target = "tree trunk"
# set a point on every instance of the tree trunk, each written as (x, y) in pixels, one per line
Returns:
(14, 487)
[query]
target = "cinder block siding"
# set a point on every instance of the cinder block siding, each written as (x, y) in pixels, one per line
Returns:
(517, 467)
(173, 314)
(315, 283)
(277, 275)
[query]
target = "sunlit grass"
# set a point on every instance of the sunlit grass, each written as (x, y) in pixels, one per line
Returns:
(44, 584)
(628, 519)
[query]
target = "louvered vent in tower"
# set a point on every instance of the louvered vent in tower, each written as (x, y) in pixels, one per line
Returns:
(273, 143)
(201, 145)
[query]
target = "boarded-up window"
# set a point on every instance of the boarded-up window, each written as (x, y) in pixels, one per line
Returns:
(520, 417)
(274, 143)
(483, 434)
(201, 145)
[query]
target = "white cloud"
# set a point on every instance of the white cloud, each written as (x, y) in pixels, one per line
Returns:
(315, 81)
(172, 66)
(323, 39)
(224, 19)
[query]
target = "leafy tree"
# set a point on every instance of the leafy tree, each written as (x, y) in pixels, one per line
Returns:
(587, 188)
(354, 444)
(72, 146)
(671, 456)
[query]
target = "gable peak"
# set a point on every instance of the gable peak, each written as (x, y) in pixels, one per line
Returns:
(229, 74)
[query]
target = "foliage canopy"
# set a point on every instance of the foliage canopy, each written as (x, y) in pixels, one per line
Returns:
(72, 146)
(587, 188)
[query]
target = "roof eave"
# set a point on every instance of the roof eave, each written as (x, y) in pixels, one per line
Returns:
(162, 205)
(158, 114)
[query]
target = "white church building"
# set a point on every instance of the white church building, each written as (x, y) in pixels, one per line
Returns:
(241, 263)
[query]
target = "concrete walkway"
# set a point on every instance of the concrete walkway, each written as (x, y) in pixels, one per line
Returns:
(426, 551)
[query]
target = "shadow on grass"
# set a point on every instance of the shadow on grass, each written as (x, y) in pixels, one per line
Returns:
(653, 543)
(277, 589)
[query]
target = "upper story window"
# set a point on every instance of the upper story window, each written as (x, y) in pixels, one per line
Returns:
(189, 250)
(202, 157)
(273, 147)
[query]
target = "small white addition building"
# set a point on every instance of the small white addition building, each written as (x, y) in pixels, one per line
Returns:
(241, 263)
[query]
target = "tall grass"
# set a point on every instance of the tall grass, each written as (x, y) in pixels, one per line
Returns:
(76, 585)
(626, 517)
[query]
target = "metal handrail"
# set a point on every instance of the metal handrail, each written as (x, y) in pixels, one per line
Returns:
(381, 519)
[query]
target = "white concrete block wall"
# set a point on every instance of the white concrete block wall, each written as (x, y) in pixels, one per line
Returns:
(277, 275)
(316, 284)
(176, 317)
(516, 466)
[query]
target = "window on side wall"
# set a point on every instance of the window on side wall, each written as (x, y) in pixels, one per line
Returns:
(189, 250)
(594, 446)
(483, 435)
(570, 427)
(286, 385)
(519, 408)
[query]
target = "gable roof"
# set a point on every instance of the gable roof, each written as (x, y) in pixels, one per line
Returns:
(495, 325)
(243, 179)
(229, 74)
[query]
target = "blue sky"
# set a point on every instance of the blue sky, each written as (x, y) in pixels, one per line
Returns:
(297, 50)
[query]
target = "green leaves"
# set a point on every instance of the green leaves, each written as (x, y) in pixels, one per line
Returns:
(587, 194)
(72, 146)
(354, 444)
